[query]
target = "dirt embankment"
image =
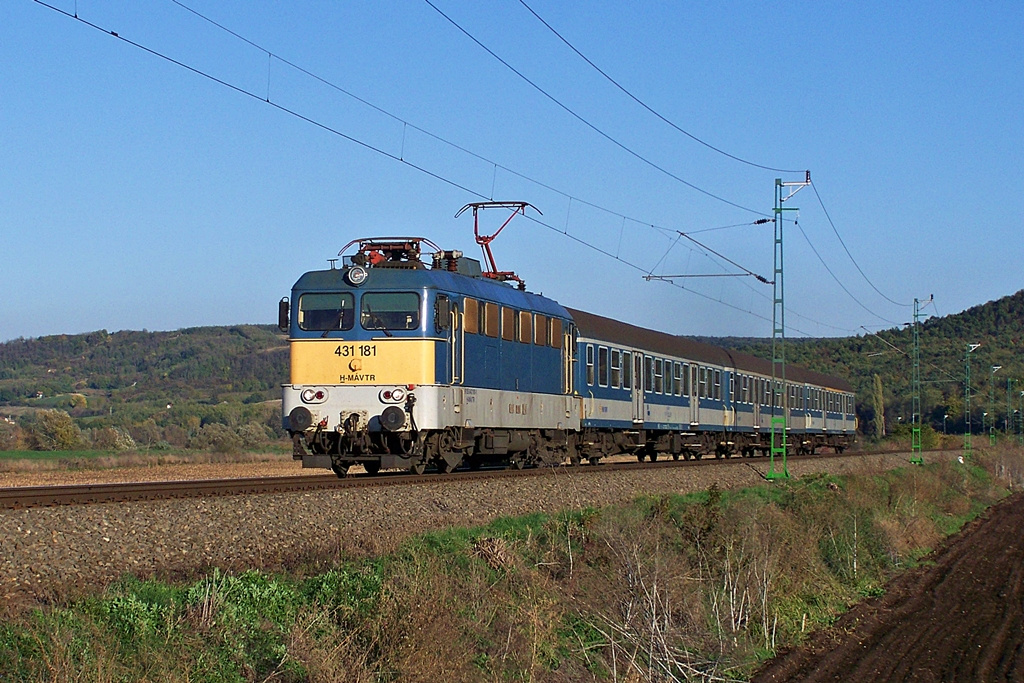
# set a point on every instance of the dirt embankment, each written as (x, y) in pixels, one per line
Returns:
(958, 617)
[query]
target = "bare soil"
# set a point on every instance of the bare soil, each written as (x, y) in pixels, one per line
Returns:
(958, 617)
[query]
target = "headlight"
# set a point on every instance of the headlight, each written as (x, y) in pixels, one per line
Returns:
(313, 395)
(356, 275)
(396, 395)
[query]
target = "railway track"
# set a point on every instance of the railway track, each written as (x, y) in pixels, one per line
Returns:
(21, 497)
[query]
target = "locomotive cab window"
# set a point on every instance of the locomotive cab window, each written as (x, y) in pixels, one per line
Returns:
(327, 311)
(390, 311)
(442, 313)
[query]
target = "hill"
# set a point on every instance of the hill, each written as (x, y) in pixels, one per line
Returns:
(997, 325)
(139, 373)
(202, 387)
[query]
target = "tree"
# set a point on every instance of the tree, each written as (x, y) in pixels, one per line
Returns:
(878, 403)
(54, 430)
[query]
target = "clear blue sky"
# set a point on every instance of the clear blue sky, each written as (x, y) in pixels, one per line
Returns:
(137, 194)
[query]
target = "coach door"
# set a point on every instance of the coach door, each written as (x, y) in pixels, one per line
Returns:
(638, 388)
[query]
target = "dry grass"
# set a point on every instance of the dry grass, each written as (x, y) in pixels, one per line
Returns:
(133, 459)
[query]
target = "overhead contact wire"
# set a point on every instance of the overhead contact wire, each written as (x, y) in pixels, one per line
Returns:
(646, 106)
(846, 249)
(389, 155)
(587, 123)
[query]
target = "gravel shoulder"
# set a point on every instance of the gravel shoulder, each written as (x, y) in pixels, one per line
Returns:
(54, 553)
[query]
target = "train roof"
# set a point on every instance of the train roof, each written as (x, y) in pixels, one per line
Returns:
(392, 278)
(624, 334)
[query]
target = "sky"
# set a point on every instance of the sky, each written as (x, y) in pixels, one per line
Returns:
(182, 173)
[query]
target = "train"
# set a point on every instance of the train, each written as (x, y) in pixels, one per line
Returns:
(400, 363)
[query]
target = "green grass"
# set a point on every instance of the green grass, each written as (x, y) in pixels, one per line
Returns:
(521, 598)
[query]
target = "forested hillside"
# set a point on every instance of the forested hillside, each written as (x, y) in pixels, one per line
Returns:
(205, 387)
(169, 387)
(997, 325)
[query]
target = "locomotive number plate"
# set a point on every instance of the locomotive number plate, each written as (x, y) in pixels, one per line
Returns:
(356, 350)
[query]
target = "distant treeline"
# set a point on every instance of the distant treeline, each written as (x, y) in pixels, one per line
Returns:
(170, 387)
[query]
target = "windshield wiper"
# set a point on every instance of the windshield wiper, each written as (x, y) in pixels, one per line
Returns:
(375, 319)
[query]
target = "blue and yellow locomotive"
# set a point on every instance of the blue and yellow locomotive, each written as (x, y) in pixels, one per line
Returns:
(397, 364)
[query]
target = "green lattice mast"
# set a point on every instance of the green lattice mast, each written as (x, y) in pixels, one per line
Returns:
(967, 399)
(780, 393)
(915, 419)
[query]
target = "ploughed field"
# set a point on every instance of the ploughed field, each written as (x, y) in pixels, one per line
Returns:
(55, 552)
(959, 617)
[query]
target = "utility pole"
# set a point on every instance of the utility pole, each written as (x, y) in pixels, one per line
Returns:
(967, 399)
(780, 392)
(915, 418)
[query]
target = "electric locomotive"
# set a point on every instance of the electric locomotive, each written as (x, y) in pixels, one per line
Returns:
(395, 364)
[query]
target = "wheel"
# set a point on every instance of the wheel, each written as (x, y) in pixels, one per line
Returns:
(444, 467)
(575, 460)
(594, 461)
(654, 456)
(372, 468)
(516, 463)
(675, 456)
(340, 470)
(418, 468)
(639, 457)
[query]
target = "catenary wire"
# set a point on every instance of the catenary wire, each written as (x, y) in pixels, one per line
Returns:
(667, 232)
(394, 157)
(897, 303)
(838, 281)
(587, 123)
(646, 106)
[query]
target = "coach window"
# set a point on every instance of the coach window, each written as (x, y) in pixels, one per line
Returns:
(602, 366)
(590, 364)
(616, 369)
(718, 385)
(702, 379)
(677, 375)
(693, 381)
(648, 373)
(491, 322)
(659, 370)
(627, 370)
(390, 311)
(555, 340)
(686, 379)
(335, 311)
